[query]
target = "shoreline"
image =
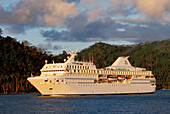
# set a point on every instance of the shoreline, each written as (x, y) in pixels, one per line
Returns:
(19, 93)
(40, 93)
(165, 89)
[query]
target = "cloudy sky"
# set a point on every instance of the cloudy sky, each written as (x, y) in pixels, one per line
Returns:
(67, 24)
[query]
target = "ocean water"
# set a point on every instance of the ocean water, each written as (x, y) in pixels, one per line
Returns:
(157, 103)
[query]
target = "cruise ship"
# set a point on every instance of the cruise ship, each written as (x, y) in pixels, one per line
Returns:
(83, 78)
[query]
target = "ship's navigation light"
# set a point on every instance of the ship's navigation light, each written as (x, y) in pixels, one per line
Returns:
(46, 61)
(64, 60)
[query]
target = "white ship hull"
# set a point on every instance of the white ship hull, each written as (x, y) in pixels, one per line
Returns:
(61, 88)
(83, 78)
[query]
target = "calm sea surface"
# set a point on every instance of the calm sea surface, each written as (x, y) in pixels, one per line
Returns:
(157, 103)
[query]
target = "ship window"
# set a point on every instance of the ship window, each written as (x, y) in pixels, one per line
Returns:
(138, 76)
(50, 88)
(45, 80)
(147, 76)
(62, 80)
(57, 80)
(95, 81)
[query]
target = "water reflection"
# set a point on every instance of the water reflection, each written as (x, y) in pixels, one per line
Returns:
(35, 103)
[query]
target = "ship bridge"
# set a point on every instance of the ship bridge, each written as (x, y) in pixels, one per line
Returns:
(69, 66)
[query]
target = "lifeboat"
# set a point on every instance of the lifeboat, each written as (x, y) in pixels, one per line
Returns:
(128, 77)
(121, 77)
(112, 77)
(102, 77)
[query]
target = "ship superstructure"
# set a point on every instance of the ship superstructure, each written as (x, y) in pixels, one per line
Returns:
(83, 78)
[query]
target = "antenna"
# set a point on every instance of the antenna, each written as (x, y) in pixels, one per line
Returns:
(31, 74)
(83, 58)
(76, 50)
(89, 58)
(92, 57)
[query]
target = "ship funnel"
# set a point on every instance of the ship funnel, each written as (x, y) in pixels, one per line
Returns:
(122, 61)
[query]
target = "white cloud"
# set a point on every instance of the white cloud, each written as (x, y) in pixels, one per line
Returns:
(39, 12)
(88, 20)
(153, 8)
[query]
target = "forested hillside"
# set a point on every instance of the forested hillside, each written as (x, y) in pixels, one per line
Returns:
(153, 56)
(19, 60)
